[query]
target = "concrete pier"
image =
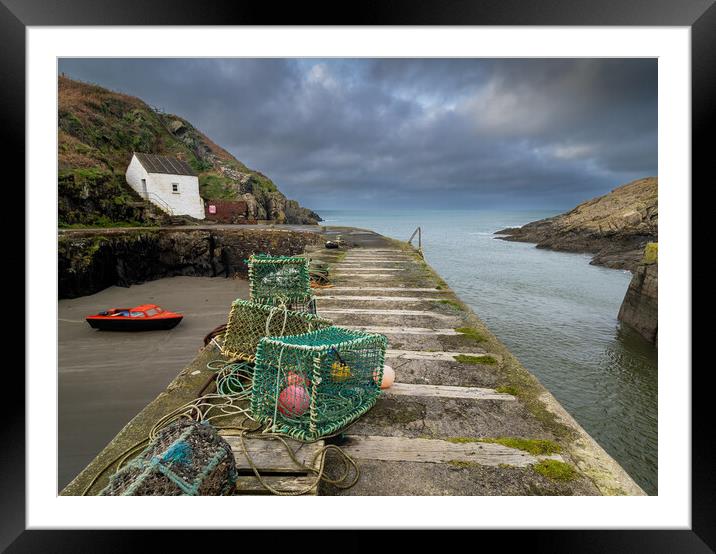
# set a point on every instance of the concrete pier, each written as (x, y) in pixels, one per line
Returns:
(464, 416)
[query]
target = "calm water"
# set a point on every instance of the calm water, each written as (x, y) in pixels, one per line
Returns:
(555, 312)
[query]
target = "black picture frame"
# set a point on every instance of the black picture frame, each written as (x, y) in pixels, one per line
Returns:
(699, 15)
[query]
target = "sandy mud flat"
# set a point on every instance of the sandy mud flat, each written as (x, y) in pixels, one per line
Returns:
(105, 377)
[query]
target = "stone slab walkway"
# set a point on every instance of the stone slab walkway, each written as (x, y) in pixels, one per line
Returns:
(464, 417)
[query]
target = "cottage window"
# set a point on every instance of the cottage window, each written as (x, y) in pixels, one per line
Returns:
(175, 187)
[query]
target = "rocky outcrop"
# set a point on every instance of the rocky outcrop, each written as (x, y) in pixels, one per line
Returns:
(100, 129)
(89, 261)
(639, 309)
(615, 227)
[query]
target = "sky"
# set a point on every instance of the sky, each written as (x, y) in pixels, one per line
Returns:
(391, 133)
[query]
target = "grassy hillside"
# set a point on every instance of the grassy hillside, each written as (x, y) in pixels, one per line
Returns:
(98, 130)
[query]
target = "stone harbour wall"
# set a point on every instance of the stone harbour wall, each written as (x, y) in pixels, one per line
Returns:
(89, 261)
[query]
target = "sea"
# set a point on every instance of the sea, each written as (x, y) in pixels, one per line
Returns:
(554, 311)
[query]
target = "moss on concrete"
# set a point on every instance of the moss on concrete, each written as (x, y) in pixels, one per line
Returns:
(454, 305)
(471, 333)
(507, 389)
(475, 360)
(537, 447)
(554, 469)
(525, 387)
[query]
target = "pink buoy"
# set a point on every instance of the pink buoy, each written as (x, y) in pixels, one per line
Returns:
(388, 377)
(293, 401)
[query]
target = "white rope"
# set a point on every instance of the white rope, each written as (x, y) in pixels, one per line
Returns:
(278, 375)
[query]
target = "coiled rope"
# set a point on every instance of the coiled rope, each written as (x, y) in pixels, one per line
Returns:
(233, 385)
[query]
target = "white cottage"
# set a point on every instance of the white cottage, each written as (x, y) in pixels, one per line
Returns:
(169, 183)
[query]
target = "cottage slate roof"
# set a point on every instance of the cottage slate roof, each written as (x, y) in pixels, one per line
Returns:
(164, 164)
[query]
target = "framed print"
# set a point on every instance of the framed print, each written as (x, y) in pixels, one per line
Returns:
(296, 258)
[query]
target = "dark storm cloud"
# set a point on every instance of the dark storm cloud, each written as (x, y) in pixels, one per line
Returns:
(413, 132)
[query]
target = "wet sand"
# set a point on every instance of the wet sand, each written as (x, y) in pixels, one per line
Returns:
(106, 378)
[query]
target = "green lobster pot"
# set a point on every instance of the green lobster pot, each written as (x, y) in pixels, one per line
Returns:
(280, 280)
(312, 385)
(249, 321)
(186, 458)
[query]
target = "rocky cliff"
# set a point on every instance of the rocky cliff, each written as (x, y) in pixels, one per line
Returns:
(640, 306)
(615, 227)
(99, 129)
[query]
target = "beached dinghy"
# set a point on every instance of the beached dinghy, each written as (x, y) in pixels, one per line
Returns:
(147, 317)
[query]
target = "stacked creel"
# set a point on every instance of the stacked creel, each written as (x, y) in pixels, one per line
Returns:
(313, 385)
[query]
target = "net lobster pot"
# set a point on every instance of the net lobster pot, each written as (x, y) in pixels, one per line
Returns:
(312, 385)
(249, 321)
(186, 458)
(280, 280)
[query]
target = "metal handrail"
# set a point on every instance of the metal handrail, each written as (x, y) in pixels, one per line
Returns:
(418, 232)
(152, 197)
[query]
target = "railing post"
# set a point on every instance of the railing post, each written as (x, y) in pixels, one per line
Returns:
(419, 232)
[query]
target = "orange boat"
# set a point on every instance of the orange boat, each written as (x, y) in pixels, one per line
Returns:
(147, 317)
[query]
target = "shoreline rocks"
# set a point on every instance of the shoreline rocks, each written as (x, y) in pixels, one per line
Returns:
(639, 308)
(615, 227)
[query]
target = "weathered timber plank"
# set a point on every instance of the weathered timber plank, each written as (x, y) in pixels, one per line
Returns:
(360, 260)
(271, 455)
(369, 311)
(249, 484)
(445, 391)
(364, 275)
(365, 251)
(357, 262)
(394, 289)
(363, 268)
(378, 298)
(435, 356)
(386, 330)
(402, 449)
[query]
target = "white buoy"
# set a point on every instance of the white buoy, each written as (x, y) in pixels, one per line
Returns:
(388, 377)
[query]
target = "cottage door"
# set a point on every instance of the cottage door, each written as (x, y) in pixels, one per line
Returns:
(145, 194)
